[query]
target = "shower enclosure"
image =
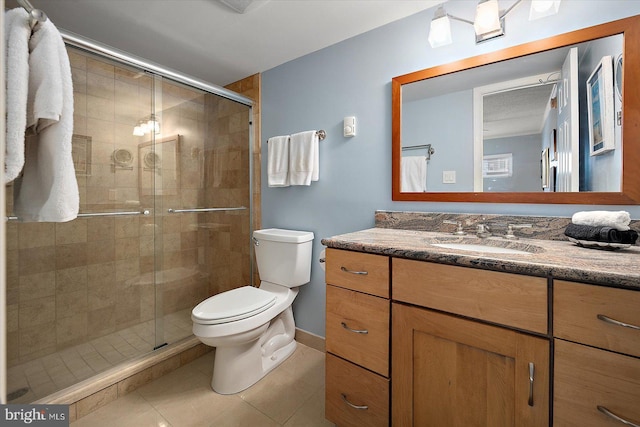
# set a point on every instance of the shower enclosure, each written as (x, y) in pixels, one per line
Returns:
(164, 172)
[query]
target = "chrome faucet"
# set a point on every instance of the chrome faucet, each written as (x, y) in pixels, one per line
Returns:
(483, 231)
(510, 227)
(459, 230)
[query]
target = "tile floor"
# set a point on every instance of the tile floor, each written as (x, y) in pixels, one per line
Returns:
(56, 371)
(292, 395)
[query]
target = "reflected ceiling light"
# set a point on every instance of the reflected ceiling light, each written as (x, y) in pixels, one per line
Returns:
(138, 131)
(488, 23)
(541, 8)
(146, 126)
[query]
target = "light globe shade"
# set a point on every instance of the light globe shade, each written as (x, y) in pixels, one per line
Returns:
(541, 8)
(137, 131)
(440, 32)
(487, 17)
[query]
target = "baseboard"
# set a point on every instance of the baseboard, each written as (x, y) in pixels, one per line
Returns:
(310, 340)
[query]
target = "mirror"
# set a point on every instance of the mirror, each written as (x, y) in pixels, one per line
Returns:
(159, 167)
(481, 161)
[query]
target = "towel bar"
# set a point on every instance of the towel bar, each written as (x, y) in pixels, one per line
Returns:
(322, 134)
(87, 215)
(430, 149)
(36, 14)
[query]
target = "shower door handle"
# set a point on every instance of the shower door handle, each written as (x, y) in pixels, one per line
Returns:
(192, 210)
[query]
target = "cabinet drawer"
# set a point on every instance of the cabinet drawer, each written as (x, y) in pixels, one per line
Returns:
(576, 308)
(349, 315)
(358, 271)
(348, 384)
(504, 298)
(586, 378)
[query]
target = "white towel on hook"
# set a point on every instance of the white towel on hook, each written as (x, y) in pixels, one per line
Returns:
(47, 191)
(17, 31)
(278, 161)
(304, 164)
(413, 174)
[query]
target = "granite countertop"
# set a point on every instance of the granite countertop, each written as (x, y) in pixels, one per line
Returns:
(555, 258)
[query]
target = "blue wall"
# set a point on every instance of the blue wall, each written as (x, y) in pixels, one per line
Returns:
(452, 138)
(353, 78)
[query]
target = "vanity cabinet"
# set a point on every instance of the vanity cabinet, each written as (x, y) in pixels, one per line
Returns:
(596, 355)
(357, 339)
(449, 370)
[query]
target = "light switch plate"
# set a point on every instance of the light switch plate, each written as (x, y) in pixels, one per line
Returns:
(448, 177)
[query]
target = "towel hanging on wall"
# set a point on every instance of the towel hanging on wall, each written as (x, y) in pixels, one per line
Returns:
(278, 161)
(47, 191)
(304, 158)
(17, 31)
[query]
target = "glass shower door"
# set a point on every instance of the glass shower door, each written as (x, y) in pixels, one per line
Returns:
(202, 200)
(79, 301)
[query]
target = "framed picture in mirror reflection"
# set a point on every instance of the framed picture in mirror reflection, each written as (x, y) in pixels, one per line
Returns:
(600, 108)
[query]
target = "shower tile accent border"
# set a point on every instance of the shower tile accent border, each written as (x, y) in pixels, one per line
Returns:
(543, 227)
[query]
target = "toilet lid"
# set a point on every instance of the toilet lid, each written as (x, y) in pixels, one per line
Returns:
(232, 305)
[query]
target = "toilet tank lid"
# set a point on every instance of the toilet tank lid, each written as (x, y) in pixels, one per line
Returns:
(281, 235)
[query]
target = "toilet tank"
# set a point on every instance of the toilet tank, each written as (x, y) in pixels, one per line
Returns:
(283, 256)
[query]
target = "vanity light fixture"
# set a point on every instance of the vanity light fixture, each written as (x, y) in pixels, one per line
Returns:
(488, 22)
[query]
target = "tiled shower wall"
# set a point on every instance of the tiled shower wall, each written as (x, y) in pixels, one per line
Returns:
(251, 87)
(71, 282)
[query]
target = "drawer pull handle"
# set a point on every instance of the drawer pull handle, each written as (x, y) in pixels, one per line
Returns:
(617, 322)
(357, 331)
(610, 414)
(363, 273)
(531, 379)
(344, 397)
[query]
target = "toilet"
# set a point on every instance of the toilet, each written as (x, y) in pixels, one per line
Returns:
(252, 328)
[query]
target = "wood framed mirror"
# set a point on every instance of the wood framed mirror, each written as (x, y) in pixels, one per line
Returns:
(626, 190)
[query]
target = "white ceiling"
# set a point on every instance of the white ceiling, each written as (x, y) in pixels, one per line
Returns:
(207, 40)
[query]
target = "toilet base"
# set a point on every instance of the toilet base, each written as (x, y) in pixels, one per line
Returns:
(238, 367)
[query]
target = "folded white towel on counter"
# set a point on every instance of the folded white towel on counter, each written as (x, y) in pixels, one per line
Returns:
(47, 191)
(17, 31)
(304, 154)
(618, 219)
(278, 161)
(413, 174)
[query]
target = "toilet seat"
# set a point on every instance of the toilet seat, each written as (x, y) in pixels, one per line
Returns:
(229, 306)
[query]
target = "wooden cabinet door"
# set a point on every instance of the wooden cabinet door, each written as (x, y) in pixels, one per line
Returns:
(448, 371)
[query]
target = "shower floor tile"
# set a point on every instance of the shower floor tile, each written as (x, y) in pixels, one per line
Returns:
(53, 372)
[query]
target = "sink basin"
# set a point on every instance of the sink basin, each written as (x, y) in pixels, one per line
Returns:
(480, 248)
